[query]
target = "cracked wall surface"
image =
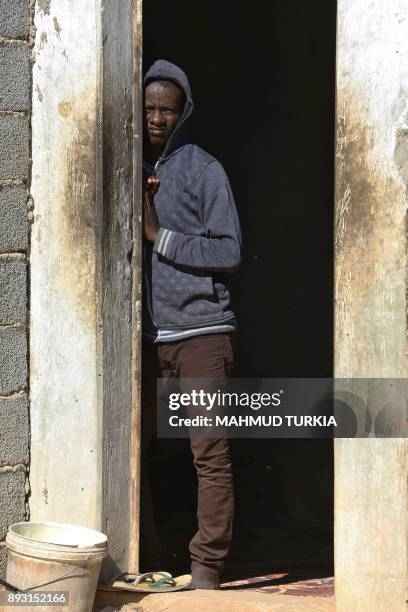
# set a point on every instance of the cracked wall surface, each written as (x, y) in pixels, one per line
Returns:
(15, 117)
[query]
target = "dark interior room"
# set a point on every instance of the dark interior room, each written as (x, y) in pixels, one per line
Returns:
(263, 83)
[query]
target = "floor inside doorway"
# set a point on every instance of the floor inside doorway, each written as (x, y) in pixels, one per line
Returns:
(296, 582)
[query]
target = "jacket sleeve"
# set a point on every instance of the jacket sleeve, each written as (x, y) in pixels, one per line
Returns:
(220, 248)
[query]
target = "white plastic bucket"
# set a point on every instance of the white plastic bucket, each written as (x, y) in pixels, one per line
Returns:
(55, 557)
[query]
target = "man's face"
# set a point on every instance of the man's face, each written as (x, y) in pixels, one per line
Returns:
(163, 108)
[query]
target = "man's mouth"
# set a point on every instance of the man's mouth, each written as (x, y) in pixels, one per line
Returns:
(156, 131)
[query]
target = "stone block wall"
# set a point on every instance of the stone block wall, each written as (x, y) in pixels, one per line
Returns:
(15, 203)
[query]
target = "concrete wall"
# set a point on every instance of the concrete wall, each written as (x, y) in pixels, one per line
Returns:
(65, 328)
(371, 296)
(15, 107)
(83, 359)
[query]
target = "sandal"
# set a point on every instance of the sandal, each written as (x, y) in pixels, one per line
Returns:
(150, 582)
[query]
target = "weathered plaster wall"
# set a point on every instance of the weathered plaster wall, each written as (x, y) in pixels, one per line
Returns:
(65, 367)
(84, 389)
(15, 109)
(371, 296)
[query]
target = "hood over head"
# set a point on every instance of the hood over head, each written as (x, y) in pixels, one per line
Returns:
(162, 69)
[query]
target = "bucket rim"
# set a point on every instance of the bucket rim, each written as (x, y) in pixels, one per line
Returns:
(100, 542)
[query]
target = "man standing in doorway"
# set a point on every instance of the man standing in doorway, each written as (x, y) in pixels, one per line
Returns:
(192, 242)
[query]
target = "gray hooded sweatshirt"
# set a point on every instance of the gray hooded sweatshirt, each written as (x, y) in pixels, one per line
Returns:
(199, 241)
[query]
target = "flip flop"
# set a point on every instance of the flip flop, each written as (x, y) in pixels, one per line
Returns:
(150, 582)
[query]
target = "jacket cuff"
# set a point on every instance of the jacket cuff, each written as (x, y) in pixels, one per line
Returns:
(162, 244)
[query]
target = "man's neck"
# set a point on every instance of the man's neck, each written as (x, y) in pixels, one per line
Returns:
(152, 154)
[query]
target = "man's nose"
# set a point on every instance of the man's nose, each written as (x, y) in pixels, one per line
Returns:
(157, 117)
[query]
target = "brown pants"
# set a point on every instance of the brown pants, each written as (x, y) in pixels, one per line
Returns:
(207, 356)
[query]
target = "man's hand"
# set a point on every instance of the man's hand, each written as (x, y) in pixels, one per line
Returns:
(151, 224)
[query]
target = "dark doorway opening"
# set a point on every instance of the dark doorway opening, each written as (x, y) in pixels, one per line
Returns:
(263, 77)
